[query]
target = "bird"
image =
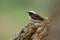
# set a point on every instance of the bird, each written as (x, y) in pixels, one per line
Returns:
(27, 32)
(35, 18)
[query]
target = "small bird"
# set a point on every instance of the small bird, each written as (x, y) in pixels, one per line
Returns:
(34, 17)
(27, 32)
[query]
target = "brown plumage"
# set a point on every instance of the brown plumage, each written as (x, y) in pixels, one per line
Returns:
(35, 16)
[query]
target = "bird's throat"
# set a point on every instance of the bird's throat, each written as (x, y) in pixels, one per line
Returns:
(36, 22)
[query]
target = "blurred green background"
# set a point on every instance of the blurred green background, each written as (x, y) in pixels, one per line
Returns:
(14, 16)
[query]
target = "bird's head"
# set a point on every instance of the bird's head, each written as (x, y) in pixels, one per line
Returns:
(34, 17)
(32, 12)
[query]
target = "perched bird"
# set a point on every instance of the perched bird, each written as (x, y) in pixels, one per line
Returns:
(34, 17)
(27, 32)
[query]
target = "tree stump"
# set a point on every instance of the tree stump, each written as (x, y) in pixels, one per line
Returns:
(33, 32)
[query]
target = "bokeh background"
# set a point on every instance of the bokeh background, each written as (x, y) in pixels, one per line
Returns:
(14, 16)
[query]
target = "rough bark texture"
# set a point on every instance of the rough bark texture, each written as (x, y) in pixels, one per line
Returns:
(34, 32)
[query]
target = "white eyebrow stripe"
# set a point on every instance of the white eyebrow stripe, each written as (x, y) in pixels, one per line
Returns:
(33, 12)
